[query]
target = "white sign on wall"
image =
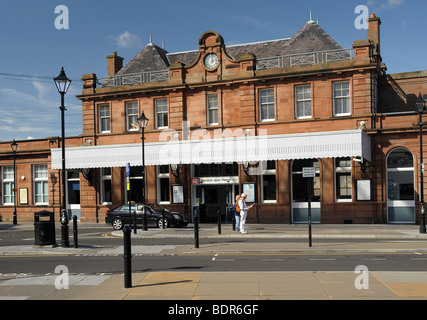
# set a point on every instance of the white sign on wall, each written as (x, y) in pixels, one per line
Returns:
(309, 172)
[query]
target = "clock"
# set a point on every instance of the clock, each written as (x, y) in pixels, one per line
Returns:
(211, 61)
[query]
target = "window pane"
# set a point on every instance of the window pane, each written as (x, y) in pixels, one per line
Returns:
(344, 189)
(212, 101)
(73, 192)
(342, 98)
(8, 195)
(164, 189)
(266, 101)
(401, 185)
(161, 112)
(212, 105)
(40, 172)
(303, 101)
(343, 162)
(105, 124)
(400, 158)
(213, 116)
(73, 174)
(45, 192)
(8, 173)
(107, 191)
(132, 115)
(38, 192)
(104, 117)
(164, 169)
(106, 171)
(271, 165)
(216, 170)
(269, 187)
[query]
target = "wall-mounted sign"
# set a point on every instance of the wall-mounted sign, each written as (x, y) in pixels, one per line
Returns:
(309, 172)
(215, 180)
(178, 194)
(364, 190)
(23, 195)
(249, 189)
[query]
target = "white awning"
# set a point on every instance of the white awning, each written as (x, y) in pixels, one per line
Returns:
(352, 143)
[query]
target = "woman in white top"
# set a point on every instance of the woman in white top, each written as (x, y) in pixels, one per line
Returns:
(243, 212)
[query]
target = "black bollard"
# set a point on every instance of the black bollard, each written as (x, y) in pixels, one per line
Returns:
(144, 220)
(163, 218)
(196, 229)
(127, 255)
(219, 221)
(76, 243)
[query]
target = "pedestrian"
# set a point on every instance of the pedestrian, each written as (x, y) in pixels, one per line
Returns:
(237, 214)
(243, 212)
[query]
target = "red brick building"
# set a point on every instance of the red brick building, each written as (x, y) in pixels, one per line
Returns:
(227, 119)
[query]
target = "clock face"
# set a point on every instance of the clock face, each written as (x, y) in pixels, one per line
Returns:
(211, 61)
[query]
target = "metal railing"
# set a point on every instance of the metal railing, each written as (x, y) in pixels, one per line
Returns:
(303, 59)
(134, 78)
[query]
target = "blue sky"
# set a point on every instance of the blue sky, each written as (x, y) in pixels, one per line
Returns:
(32, 46)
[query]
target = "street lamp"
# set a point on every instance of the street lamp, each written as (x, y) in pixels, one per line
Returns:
(143, 121)
(14, 147)
(62, 84)
(420, 107)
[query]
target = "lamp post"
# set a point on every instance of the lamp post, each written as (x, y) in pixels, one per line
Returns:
(420, 106)
(143, 121)
(62, 84)
(14, 147)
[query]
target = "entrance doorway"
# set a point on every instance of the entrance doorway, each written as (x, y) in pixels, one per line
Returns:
(214, 187)
(400, 187)
(136, 185)
(73, 194)
(212, 198)
(300, 192)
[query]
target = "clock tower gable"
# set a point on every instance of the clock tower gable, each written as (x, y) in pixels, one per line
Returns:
(213, 63)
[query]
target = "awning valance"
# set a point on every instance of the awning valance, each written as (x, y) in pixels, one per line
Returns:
(352, 143)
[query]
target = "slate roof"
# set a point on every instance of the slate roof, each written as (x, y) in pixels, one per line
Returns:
(310, 38)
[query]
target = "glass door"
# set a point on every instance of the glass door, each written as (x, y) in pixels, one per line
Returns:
(300, 192)
(400, 187)
(73, 194)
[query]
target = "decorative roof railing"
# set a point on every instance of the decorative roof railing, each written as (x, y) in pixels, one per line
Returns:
(304, 59)
(300, 59)
(133, 78)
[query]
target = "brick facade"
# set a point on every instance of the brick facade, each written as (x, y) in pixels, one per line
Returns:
(384, 103)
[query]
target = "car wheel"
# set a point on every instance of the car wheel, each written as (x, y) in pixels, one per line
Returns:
(160, 223)
(117, 224)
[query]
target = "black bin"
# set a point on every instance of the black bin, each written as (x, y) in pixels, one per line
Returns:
(44, 228)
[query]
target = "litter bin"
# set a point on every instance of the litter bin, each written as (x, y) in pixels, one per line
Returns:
(44, 228)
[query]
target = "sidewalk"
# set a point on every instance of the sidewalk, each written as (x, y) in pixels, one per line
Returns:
(257, 285)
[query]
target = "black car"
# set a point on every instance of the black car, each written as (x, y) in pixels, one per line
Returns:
(119, 217)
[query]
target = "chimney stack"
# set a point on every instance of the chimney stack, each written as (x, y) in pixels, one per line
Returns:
(374, 23)
(115, 63)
